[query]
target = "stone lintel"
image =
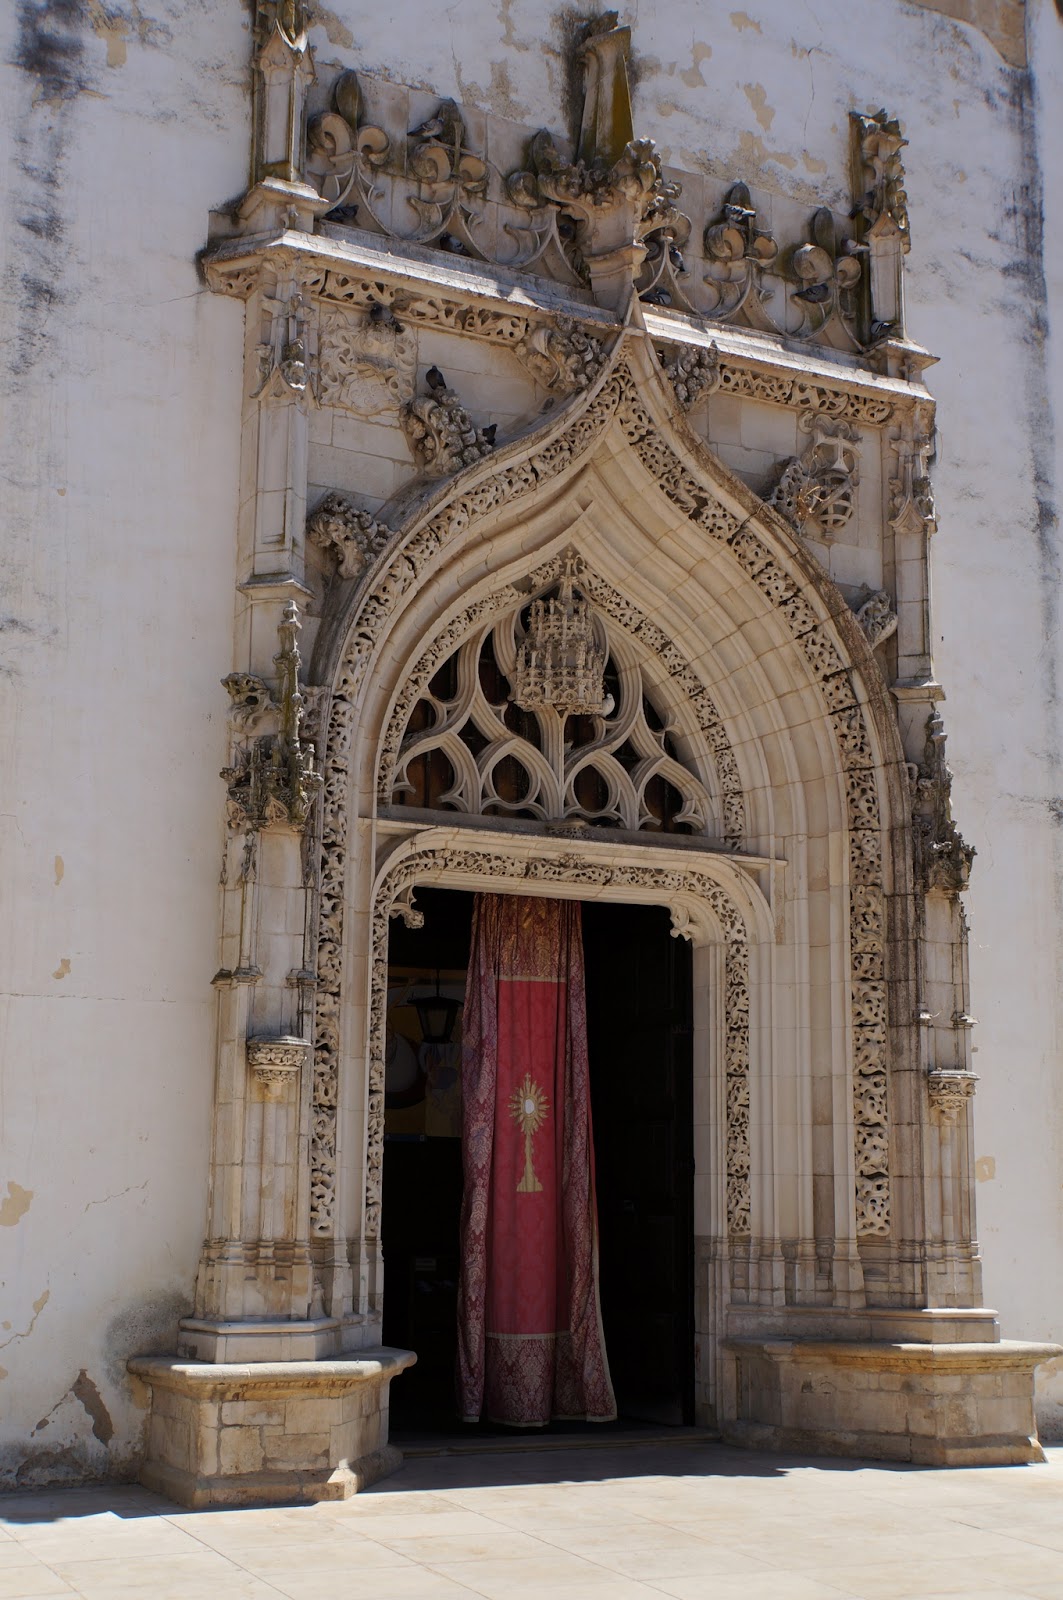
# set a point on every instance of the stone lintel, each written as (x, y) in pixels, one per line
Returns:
(274, 1431)
(364, 262)
(958, 1404)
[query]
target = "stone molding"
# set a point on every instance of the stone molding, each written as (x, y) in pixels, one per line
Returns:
(453, 298)
(394, 897)
(395, 574)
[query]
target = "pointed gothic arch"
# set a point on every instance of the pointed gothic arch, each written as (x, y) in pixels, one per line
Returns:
(757, 650)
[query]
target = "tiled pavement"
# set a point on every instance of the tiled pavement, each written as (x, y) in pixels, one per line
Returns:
(692, 1521)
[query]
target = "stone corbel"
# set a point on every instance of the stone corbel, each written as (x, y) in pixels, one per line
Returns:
(876, 616)
(348, 533)
(562, 357)
(441, 434)
(277, 1063)
(950, 1090)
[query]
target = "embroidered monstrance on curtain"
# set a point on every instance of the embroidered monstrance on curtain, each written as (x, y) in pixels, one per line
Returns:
(530, 1344)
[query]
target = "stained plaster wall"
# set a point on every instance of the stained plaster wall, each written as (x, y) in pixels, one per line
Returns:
(123, 128)
(121, 398)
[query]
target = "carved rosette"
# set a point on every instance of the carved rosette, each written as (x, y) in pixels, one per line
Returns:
(276, 1063)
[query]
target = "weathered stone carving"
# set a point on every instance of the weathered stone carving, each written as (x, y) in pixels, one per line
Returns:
(950, 1090)
(819, 487)
(942, 856)
(617, 396)
(560, 661)
(365, 367)
(911, 491)
(353, 536)
(737, 255)
(277, 1063)
(251, 700)
(562, 357)
(614, 192)
(343, 153)
(881, 212)
(555, 666)
(828, 271)
(627, 616)
(393, 898)
(273, 779)
(284, 358)
(441, 433)
(693, 374)
(877, 617)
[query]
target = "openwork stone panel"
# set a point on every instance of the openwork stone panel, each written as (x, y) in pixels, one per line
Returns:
(394, 897)
(556, 758)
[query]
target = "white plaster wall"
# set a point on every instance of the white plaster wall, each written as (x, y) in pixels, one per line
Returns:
(120, 490)
(120, 435)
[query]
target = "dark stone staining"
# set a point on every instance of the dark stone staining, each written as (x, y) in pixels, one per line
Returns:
(50, 46)
(85, 1390)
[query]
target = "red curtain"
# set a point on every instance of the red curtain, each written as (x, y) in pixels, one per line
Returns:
(530, 1344)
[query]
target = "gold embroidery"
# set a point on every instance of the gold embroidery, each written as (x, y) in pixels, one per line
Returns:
(528, 1106)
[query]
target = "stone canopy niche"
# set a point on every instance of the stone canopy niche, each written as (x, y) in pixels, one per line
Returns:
(583, 551)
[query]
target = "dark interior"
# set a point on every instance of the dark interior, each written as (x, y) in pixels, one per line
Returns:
(640, 1036)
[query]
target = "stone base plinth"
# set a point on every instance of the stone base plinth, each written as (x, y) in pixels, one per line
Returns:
(947, 1405)
(227, 1435)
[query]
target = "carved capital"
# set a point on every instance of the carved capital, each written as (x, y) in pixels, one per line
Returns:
(277, 1063)
(950, 1090)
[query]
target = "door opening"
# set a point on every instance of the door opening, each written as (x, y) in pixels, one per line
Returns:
(640, 1046)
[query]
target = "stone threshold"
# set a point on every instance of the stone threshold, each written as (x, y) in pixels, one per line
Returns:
(608, 1437)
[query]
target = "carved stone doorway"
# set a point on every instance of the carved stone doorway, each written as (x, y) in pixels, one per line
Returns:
(639, 1009)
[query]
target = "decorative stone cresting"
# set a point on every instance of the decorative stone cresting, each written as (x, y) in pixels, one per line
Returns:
(394, 898)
